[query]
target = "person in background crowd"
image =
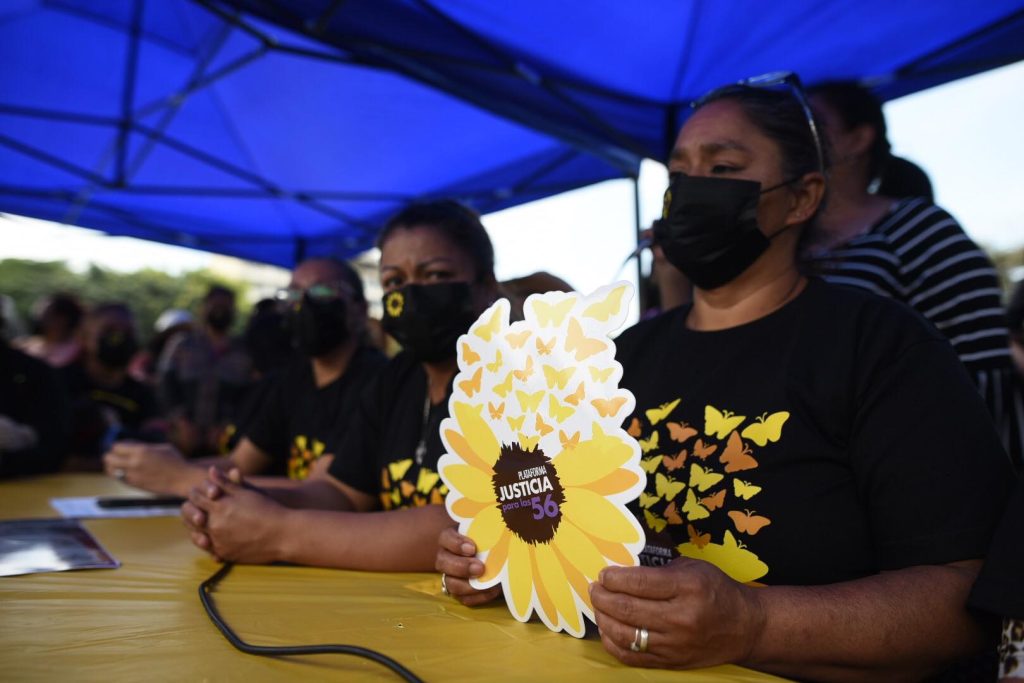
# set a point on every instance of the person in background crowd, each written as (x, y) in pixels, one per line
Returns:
(267, 337)
(56, 319)
(517, 289)
(1015, 320)
(903, 178)
(296, 415)
(437, 270)
(204, 376)
(34, 414)
(673, 289)
(172, 323)
(914, 252)
(107, 403)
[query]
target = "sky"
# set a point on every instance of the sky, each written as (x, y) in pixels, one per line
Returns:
(966, 135)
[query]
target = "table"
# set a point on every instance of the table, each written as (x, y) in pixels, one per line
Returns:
(144, 620)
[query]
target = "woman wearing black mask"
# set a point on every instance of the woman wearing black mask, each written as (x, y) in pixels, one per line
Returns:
(437, 273)
(802, 437)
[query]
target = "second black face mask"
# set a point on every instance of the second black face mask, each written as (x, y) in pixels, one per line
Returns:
(318, 327)
(116, 348)
(427, 320)
(709, 228)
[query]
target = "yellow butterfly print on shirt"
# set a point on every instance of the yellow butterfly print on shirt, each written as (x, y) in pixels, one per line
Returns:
(426, 481)
(744, 489)
(558, 378)
(649, 444)
(654, 521)
(601, 374)
(472, 385)
(469, 355)
(651, 464)
(584, 346)
(610, 306)
(496, 365)
(766, 428)
(491, 327)
(529, 402)
(703, 479)
(647, 500)
(549, 315)
(720, 423)
(517, 339)
(557, 410)
(693, 509)
(399, 468)
(656, 415)
(667, 487)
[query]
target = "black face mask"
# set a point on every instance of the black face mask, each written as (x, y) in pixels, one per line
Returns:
(427, 320)
(220, 319)
(318, 327)
(709, 227)
(115, 349)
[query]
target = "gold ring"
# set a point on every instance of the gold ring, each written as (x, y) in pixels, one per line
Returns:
(444, 586)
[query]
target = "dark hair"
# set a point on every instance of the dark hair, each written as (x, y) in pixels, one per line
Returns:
(63, 305)
(856, 106)
(903, 178)
(345, 272)
(458, 223)
(219, 290)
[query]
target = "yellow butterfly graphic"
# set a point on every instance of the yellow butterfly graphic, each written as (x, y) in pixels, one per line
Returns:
(702, 478)
(545, 348)
(528, 443)
(558, 378)
(469, 355)
(517, 339)
(472, 385)
(516, 423)
(399, 468)
(529, 402)
(766, 428)
(601, 374)
(584, 346)
(744, 489)
(650, 464)
(503, 388)
(654, 521)
(568, 442)
(426, 481)
(719, 424)
(656, 415)
(549, 315)
(649, 444)
(496, 365)
(575, 397)
(693, 509)
(491, 327)
(603, 310)
(647, 500)
(496, 411)
(557, 410)
(608, 407)
(667, 487)
(396, 497)
(524, 374)
(543, 427)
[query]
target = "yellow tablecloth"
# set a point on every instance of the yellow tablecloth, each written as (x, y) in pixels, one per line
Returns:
(144, 620)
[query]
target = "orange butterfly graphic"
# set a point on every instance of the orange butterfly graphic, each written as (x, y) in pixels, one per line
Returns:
(714, 501)
(672, 514)
(747, 522)
(471, 386)
(496, 410)
(524, 374)
(634, 428)
(545, 348)
(698, 539)
(543, 427)
(469, 355)
(584, 346)
(517, 339)
(567, 441)
(607, 407)
(680, 432)
(737, 455)
(575, 397)
(675, 463)
(701, 451)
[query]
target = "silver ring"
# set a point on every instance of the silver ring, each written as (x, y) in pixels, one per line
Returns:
(119, 474)
(444, 586)
(639, 643)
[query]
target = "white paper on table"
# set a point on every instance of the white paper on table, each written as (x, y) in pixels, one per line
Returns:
(87, 507)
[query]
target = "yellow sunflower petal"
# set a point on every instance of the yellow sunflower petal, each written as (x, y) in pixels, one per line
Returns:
(520, 578)
(596, 515)
(616, 552)
(477, 432)
(466, 508)
(579, 583)
(591, 460)
(553, 578)
(496, 559)
(577, 546)
(470, 482)
(486, 529)
(616, 482)
(462, 449)
(547, 605)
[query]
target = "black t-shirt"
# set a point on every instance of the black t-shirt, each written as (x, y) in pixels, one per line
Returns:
(380, 454)
(32, 395)
(101, 414)
(296, 422)
(835, 438)
(1000, 586)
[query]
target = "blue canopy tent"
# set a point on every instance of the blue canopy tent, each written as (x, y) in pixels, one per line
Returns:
(188, 124)
(273, 129)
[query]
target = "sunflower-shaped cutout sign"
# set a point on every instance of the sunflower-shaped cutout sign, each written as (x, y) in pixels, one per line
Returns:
(538, 467)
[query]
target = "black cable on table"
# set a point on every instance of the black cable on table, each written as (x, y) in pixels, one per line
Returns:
(205, 590)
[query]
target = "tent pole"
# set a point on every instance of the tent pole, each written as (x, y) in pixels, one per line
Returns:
(641, 289)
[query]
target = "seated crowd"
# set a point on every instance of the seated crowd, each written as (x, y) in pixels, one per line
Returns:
(804, 276)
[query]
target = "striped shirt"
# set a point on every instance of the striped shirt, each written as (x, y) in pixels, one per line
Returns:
(918, 254)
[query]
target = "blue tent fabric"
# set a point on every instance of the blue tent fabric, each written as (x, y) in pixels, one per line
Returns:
(277, 129)
(239, 137)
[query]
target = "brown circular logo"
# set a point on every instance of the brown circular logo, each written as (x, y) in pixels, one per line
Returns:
(528, 492)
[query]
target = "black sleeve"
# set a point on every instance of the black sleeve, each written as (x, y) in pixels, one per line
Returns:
(45, 408)
(928, 462)
(355, 462)
(1000, 586)
(267, 428)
